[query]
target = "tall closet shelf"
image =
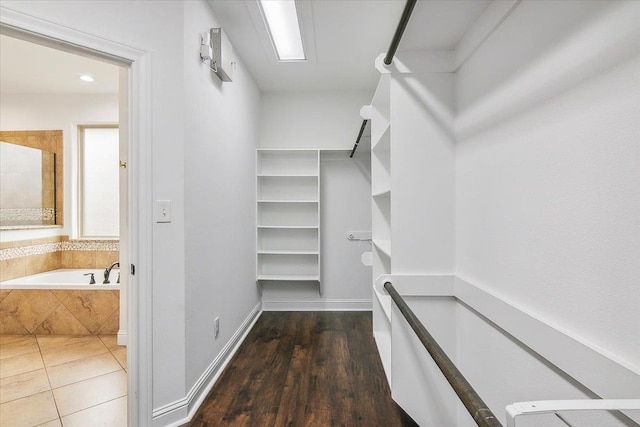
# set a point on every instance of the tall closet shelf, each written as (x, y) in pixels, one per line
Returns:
(381, 214)
(383, 246)
(288, 215)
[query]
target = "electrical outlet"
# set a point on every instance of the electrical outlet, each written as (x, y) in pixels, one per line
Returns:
(216, 326)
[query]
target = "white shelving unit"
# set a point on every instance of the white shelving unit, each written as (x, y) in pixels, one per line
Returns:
(381, 194)
(288, 216)
(381, 175)
(413, 209)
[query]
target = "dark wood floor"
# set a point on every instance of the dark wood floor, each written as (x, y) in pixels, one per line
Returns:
(304, 369)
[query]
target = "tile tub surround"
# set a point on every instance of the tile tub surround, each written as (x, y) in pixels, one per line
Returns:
(62, 380)
(59, 312)
(27, 257)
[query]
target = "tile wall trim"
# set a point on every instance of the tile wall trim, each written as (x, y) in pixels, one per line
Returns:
(65, 245)
(90, 245)
(28, 215)
(25, 251)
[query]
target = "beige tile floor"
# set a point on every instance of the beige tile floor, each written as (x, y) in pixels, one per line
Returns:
(54, 381)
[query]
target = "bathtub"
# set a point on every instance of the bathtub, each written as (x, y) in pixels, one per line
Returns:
(60, 302)
(71, 279)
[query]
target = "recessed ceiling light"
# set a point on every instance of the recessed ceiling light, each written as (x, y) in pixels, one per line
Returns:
(281, 18)
(86, 78)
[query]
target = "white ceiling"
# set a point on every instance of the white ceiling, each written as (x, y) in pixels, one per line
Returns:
(28, 68)
(342, 38)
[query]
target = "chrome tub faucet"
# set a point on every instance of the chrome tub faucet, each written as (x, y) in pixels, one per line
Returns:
(107, 272)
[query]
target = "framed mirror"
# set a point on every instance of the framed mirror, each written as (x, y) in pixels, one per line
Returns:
(31, 179)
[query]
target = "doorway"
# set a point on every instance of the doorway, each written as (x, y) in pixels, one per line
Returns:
(135, 247)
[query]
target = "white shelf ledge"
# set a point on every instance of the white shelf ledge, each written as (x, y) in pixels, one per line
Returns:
(385, 302)
(286, 201)
(382, 193)
(287, 175)
(383, 245)
(289, 226)
(288, 252)
(384, 142)
(290, 278)
(288, 149)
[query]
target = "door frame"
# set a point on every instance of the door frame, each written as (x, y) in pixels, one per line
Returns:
(140, 184)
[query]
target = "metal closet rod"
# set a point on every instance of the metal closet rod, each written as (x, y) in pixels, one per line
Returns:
(404, 20)
(479, 410)
(364, 124)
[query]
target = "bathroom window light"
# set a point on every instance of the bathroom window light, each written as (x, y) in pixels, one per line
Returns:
(281, 18)
(98, 170)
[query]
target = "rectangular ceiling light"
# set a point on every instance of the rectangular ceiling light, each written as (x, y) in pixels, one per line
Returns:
(282, 21)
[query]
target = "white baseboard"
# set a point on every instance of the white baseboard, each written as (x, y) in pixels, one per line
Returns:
(322, 305)
(122, 337)
(181, 411)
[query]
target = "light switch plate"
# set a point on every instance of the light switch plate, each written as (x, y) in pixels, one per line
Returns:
(163, 211)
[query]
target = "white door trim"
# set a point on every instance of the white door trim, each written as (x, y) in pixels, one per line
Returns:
(139, 351)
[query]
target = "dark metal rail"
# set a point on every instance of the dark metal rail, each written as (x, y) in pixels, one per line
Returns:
(393, 47)
(479, 411)
(404, 20)
(364, 124)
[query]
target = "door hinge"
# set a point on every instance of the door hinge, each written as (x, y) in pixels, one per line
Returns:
(133, 269)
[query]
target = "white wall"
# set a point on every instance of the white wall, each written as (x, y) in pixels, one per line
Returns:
(129, 23)
(547, 200)
(56, 112)
(221, 123)
(311, 119)
(422, 178)
(180, 127)
(326, 120)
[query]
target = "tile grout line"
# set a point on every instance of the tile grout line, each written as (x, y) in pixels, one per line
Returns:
(83, 358)
(46, 371)
(62, 303)
(76, 382)
(108, 373)
(26, 372)
(119, 363)
(97, 404)
(113, 355)
(51, 390)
